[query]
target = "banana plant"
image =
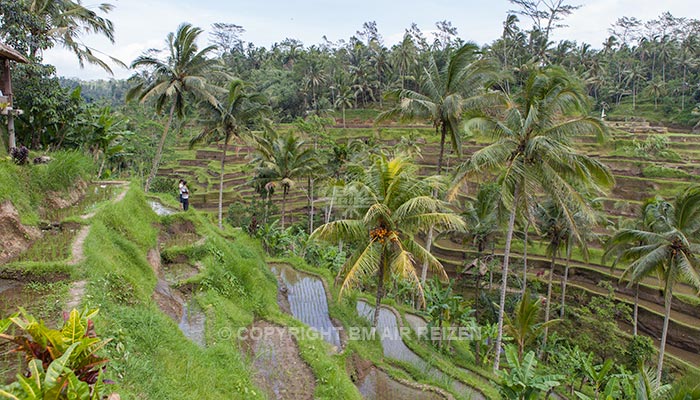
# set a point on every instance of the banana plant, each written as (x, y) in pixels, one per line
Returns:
(522, 380)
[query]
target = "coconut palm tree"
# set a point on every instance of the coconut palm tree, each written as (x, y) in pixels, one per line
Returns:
(667, 246)
(63, 22)
(185, 69)
(533, 155)
(444, 96)
(282, 160)
(228, 119)
(392, 207)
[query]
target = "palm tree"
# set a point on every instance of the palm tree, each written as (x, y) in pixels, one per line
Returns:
(404, 56)
(656, 88)
(228, 119)
(444, 96)
(63, 22)
(344, 99)
(666, 245)
(184, 70)
(532, 153)
(558, 230)
(392, 207)
(283, 159)
(525, 326)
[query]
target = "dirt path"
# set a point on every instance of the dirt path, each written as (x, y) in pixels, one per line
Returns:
(279, 370)
(77, 288)
(78, 246)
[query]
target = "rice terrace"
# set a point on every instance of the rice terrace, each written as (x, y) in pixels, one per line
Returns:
(299, 200)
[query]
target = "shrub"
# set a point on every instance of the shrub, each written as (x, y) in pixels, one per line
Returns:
(163, 184)
(62, 363)
(655, 171)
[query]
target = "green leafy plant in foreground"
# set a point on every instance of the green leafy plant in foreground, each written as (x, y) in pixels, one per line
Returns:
(61, 363)
(523, 381)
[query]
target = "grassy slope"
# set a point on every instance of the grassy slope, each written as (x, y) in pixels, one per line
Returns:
(150, 356)
(27, 186)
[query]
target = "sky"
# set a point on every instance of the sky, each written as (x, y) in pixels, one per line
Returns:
(143, 24)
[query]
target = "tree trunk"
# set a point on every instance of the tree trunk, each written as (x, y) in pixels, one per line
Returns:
(380, 291)
(344, 116)
(477, 349)
(12, 141)
(549, 297)
(310, 187)
(668, 297)
(504, 281)
(102, 166)
(159, 150)
(527, 228)
(493, 251)
(221, 185)
(428, 246)
(267, 207)
(685, 68)
(443, 133)
(564, 281)
(284, 204)
(636, 309)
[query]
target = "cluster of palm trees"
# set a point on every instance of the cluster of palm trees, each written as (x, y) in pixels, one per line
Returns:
(531, 159)
(537, 178)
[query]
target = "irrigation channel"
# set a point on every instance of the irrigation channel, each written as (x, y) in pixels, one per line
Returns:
(189, 318)
(308, 303)
(394, 347)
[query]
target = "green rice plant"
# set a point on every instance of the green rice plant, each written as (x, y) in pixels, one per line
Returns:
(53, 246)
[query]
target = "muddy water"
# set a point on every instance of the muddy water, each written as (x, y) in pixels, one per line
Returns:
(308, 301)
(191, 320)
(378, 385)
(395, 348)
(94, 194)
(160, 209)
(10, 297)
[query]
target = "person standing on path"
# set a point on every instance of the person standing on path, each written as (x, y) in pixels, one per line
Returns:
(185, 194)
(180, 184)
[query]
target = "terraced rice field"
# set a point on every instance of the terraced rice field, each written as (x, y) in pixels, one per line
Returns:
(623, 201)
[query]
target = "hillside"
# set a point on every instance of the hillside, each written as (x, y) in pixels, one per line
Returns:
(645, 160)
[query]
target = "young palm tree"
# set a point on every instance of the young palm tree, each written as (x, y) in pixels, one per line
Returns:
(392, 207)
(667, 245)
(228, 119)
(283, 159)
(185, 69)
(533, 155)
(525, 326)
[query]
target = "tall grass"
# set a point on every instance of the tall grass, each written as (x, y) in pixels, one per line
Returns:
(61, 173)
